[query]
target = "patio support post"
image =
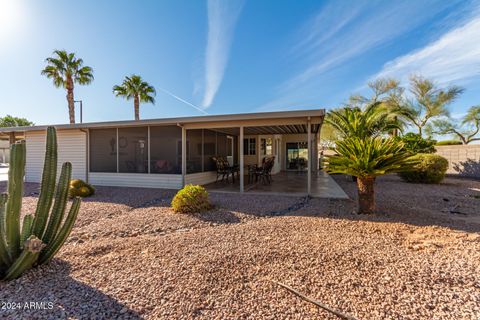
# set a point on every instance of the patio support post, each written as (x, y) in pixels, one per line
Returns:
(184, 154)
(11, 137)
(240, 144)
(310, 158)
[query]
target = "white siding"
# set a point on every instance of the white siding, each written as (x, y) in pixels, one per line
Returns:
(72, 147)
(201, 177)
(140, 180)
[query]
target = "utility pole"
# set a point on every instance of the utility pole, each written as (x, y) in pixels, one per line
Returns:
(81, 110)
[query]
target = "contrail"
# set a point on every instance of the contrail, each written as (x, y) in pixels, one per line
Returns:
(182, 100)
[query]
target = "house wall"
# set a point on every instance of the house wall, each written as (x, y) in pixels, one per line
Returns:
(463, 160)
(201, 177)
(72, 147)
(4, 151)
(139, 180)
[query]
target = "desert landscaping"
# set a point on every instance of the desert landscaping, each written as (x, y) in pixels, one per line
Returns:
(130, 256)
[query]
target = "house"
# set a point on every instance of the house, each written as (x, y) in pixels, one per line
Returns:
(172, 152)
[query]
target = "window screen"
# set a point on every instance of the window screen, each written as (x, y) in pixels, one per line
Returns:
(166, 150)
(194, 150)
(133, 150)
(103, 150)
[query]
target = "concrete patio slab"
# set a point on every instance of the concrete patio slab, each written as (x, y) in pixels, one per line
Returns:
(286, 183)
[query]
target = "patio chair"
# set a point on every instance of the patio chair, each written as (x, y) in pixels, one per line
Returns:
(264, 173)
(223, 168)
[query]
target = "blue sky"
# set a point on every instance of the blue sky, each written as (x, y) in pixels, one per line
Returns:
(232, 56)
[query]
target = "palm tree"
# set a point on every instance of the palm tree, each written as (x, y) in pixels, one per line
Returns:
(366, 158)
(372, 120)
(429, 102)
(134, 87)
(65, 69)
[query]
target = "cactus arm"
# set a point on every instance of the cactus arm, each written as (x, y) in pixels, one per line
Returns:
(52, 248)
(26, 229)
(27, 258)
(14, 202)
(58, 209)
(48, 184)
(4, 257)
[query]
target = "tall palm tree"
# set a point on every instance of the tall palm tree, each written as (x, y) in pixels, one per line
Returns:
(65, 70)
(366, 158)
(134, 87)
(429, 102)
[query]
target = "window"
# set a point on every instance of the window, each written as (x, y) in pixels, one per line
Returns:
(103, 150)
(165, 155)
(249, 146)
(133, 150)
(266, 146)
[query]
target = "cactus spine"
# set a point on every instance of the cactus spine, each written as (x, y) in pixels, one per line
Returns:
(41, 235)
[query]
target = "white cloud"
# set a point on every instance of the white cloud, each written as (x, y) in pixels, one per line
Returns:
(454, 57)
(222, 17)
(342, 32)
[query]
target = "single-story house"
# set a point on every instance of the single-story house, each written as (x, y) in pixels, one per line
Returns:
(172, 152)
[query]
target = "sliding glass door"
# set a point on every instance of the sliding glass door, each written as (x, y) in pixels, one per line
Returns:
(297, 156)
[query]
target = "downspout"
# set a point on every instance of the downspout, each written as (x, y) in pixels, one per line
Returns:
(87, 155)
(184, 153)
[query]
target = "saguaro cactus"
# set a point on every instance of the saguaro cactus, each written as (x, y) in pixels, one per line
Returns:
(40, 236)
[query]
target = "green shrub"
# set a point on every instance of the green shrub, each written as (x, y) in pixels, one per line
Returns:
(430, 168)
(449, 142)
(79, 188)
(191, 199)
(416, 144)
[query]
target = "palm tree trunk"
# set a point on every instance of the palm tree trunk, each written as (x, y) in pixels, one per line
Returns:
(70, 100)
(366, 195)
(136, 107)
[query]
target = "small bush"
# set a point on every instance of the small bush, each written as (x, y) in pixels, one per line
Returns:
(79, 188)
(449, 142)
(416, 144)
(430, 168)
(191, 199)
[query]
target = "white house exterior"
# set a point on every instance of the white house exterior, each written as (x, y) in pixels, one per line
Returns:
(169, 153)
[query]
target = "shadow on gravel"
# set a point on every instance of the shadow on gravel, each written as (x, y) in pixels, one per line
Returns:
(58, 296)
(454, 204)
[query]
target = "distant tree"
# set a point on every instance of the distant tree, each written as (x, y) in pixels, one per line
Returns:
(65, 70)
(388, 93)
(135, 88)
(11, 121)
(466, 130)
(428, 102)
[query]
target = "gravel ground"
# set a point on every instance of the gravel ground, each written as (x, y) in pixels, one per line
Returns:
(129, 256)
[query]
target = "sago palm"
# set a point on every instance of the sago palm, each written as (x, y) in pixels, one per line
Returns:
(135, 88)
(65, 69)
(373, 119)
(366, 158)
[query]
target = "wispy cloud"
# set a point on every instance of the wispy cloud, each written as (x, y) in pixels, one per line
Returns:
(222, 18)
(341, 33)
(454, 57)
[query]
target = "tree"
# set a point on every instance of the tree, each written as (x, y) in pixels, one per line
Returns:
(428, 102)
(372, 120)
(367, 158)
(466, 130)
(11, 121)
(66, 70)
(134, 87)
(389, 94)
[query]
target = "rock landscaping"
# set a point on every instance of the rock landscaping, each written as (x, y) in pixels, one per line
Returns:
(130, 257)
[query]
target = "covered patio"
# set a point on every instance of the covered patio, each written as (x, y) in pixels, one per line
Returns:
(286, 183)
